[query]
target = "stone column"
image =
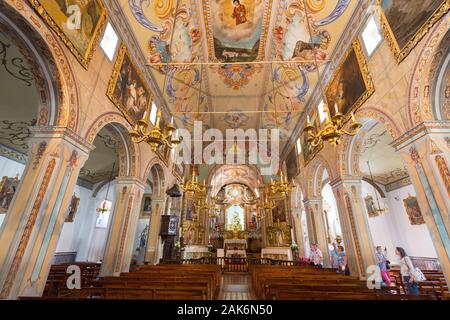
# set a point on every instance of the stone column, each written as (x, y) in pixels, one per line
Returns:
(298, 230)
(153, 239)
(425, 151)
(317, 227)
(122, 228)
(355, 225)
(32, 226)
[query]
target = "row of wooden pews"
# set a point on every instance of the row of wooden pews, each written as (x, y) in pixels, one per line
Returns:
(434, 285)
(162, 282)
(58, 275)
(309, 283)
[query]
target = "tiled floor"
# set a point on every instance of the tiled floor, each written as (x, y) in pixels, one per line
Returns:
(235, 287)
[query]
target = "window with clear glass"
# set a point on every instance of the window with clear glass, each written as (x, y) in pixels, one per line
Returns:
(109, 41)
(371, 36)
(322, 112)
(153, 112)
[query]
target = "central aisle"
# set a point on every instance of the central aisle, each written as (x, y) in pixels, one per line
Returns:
(235, 287)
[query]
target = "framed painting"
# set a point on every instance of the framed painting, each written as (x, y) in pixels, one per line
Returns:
(370, 206)
(406, 22)
(146, 210)
(292, 165)
(351, 85)
(78, 23)
(413, 211)
(190, 209)
(309, 151)
(127, 88)
(279, 213)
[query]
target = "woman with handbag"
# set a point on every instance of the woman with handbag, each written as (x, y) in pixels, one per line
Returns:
(407, 271)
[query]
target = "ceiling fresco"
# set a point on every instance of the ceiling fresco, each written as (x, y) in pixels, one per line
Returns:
(230, 64)
(387, 167)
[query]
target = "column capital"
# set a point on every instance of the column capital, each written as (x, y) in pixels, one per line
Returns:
(311, 201)
(128, 180)
(54, 132)
(419, 131)
(343, 181)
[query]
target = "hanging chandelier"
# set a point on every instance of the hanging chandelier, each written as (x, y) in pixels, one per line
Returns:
(156, 136)
(279, 186)
(333, 129)
(192, 186)
(378, 210)
(104, 207)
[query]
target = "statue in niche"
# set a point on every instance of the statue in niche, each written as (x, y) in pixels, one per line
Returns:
(143, 237)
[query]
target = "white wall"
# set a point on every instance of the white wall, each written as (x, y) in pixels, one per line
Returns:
(393, 229)
(82, 236)
(10, 167)
(333, 215)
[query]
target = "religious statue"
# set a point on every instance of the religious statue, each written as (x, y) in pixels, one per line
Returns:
(239, 12)
(143, 237)
(73, 208)
(8, 187)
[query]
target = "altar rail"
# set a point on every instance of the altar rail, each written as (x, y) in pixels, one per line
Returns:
(235, 264)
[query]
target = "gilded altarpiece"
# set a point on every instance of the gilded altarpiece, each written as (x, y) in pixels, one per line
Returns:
(278, 228)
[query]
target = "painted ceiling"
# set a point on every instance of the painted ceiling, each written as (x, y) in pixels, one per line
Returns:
(19, 100)
(260, 86)
(387, 167)
(102, 160)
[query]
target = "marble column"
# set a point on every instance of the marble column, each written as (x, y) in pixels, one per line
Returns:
(425, 152)
(122, 228)
(317, 227)
(154, 240)
(32, 226)
(354, 224)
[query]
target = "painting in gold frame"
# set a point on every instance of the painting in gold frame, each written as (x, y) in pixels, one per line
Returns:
(351, 85)
(292, 164)
(413, 210)
(127, 88)
(406, 22)
(308, 151)
(79, 29)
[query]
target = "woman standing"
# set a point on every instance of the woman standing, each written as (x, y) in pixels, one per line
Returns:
(343, 261)
(382, 263)
(406, 270)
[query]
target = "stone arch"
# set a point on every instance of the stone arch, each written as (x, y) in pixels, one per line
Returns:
(55, 79)
(350, 146)
(315, 173)
(419, 107)
(128, 151)
(252, 172)
(156, 162)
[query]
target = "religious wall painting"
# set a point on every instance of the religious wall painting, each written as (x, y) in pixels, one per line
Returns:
(406, 22)
(308, 151)
(146, 210)
(78, 23)
(73, 208)
(236, 76)
(8, 187)
(236, 29)
(372, 211)
(413, 210)
(189, 209)
(279, 213)
(279, 236)
(127, 88)
(351, 85)
(292, 165)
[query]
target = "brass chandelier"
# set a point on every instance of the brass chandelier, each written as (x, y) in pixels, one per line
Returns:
(156, 136)
(192, 186)
(333, 129)
(279, 186)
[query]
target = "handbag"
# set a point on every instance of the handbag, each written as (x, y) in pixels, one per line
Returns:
(388, 265)
(418, 275)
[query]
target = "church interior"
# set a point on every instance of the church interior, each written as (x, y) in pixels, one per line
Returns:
(224, 150)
